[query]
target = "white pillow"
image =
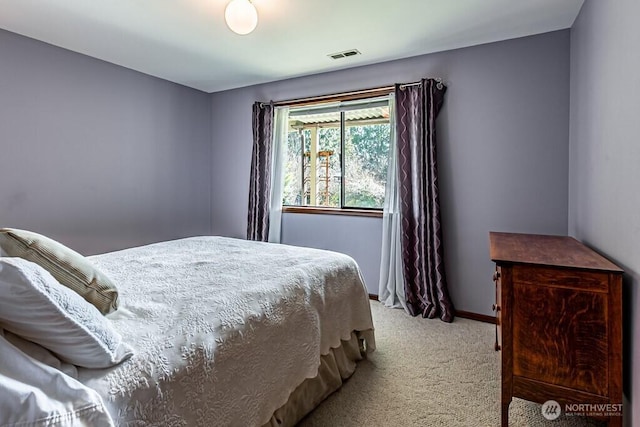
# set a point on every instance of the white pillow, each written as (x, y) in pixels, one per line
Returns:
(33, 394)
(40, 354)
(36, 307)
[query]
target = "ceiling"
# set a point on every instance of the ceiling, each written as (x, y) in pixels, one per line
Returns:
(187, 41)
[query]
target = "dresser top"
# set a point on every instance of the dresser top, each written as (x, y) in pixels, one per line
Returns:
(557, 251)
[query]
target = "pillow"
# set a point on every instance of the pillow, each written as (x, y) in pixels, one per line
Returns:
(34, 394)
(36, 307)
(40, 354)
(68, 267)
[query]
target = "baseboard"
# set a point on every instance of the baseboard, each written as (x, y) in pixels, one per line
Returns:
(476, 316)
(460, 313)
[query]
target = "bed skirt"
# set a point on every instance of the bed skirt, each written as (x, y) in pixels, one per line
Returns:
(335, 367)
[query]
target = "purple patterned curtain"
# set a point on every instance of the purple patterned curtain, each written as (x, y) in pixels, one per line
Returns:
(425, 285)
(260, 181)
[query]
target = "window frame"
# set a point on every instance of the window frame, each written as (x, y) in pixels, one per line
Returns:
(323, 210)
(342, 209)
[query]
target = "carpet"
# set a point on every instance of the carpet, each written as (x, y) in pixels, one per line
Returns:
(428, 373)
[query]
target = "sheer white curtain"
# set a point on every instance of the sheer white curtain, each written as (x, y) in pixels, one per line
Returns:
(391, 286)
(278, 156)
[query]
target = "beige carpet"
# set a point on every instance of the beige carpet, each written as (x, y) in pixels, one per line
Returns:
(428, 373)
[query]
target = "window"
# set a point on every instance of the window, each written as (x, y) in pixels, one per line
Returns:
(337, 155)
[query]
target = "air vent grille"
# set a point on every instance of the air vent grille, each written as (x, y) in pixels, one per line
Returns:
(345, 54)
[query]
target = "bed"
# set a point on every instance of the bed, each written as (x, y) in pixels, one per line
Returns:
(228, 332)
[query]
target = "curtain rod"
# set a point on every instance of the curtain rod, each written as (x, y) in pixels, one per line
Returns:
(312, 99)
(344, 95)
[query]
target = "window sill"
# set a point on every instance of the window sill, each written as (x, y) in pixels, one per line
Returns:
(332, 211)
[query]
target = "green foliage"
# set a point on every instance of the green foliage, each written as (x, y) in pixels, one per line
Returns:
(371, 146)
(366, 161)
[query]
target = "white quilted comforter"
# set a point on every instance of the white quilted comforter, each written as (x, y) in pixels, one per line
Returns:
(224, 329)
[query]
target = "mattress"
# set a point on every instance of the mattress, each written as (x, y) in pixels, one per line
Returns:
(225, 330)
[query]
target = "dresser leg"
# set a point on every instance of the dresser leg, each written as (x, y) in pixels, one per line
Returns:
(505, 414)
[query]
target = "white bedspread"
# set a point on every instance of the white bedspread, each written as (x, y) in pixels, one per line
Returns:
(224, 329)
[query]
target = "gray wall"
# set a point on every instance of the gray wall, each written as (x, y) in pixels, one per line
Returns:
(503, 154)
(605, 155)
(360, 237)
(98, 156)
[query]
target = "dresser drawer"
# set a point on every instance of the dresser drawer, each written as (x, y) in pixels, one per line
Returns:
(497, 307)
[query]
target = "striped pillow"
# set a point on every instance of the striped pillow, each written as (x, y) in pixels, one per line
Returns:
(68, 267)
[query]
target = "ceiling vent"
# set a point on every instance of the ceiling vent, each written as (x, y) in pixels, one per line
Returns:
(344, 54)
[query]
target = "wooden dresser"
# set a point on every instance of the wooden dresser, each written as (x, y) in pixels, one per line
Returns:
(559, 322)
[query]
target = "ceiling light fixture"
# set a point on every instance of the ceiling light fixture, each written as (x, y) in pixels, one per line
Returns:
(241, 16)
